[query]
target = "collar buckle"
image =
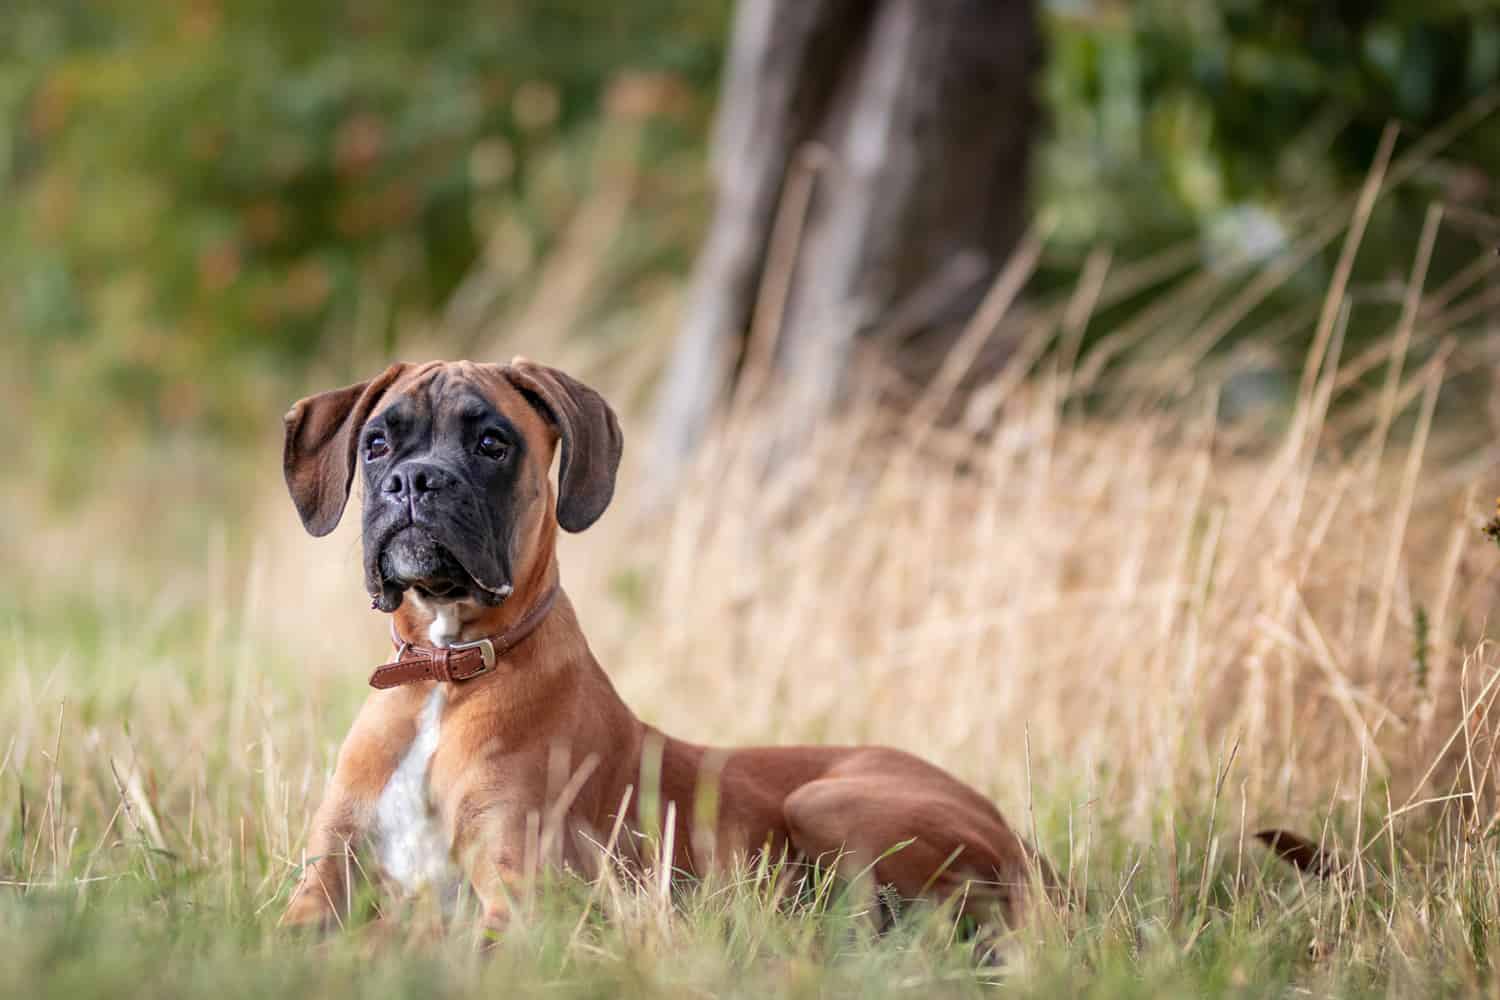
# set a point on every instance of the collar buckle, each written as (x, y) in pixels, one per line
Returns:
(486, 649)
(418, 663)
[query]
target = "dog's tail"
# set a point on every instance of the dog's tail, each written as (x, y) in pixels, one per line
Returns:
(1299, 852)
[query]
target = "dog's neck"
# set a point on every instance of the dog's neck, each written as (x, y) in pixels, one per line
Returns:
(426, 622)
(438, 623)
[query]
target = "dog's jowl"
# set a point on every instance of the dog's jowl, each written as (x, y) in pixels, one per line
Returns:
(493, 742)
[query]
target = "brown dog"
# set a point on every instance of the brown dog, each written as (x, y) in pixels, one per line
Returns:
(494, 742)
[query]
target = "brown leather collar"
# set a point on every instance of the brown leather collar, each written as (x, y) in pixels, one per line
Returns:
(461, 661)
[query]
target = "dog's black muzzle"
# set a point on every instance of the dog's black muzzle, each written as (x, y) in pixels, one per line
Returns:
(426, 529)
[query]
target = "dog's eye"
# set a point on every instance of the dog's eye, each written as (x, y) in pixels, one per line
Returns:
(376, 447)
(493, 446)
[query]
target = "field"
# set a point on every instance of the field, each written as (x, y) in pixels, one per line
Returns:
(1145, 625)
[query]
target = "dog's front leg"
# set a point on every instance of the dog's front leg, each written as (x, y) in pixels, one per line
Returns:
(497, 837)
(500, 879)
(499, 868)
(380, 736)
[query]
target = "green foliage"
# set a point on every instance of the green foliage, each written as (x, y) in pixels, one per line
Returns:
(203, 196)
(193, 183)
(1246, 126)
(1168, 114)
(1492, 526)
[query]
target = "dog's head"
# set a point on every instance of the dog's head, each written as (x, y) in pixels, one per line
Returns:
(454, 457)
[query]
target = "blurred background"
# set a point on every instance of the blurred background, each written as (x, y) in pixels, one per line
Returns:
(204, 201)
(1170, 325)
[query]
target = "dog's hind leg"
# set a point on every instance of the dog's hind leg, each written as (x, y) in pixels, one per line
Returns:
(922, 843)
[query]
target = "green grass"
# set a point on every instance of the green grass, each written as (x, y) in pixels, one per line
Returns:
(172, 888)
(168, 929)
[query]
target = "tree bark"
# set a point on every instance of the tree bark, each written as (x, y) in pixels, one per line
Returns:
(925, 111)
(777, 88)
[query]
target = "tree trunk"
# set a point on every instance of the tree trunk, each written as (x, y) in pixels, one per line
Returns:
(924, 111)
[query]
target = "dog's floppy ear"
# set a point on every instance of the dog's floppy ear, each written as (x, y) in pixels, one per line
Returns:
(591, 439)
(322, 435)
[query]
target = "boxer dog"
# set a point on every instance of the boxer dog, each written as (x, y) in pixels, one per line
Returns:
(494, 744)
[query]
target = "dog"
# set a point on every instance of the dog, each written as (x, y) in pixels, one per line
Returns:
(494, 744)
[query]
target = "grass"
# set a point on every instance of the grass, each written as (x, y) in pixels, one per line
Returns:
(1145, 629)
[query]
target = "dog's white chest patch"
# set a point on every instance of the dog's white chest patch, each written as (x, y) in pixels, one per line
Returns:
(407, 834)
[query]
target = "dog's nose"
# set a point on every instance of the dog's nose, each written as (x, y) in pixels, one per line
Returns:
(415, 480)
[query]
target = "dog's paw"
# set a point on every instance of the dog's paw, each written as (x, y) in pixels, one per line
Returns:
(492, 927)
(309, 911)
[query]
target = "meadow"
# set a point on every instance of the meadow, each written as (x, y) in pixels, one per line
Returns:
(1144, 621)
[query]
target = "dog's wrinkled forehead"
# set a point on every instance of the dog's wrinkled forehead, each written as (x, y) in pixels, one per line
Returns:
(443, 395)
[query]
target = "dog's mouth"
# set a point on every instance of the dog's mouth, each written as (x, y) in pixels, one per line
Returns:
(412, 559)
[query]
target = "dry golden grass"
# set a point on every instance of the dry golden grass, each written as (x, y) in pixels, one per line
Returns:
(1144, 634)
(1144, 630)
